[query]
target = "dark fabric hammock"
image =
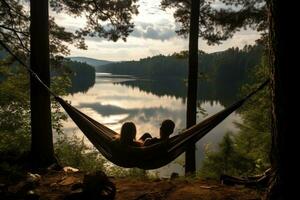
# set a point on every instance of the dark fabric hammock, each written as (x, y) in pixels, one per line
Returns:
(148, 157)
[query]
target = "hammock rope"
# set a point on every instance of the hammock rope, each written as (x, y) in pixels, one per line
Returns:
(147, 157)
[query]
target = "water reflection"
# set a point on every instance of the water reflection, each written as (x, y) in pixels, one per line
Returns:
(208, 91)
(114, 100)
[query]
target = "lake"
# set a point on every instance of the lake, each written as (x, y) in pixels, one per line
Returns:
(115, 99)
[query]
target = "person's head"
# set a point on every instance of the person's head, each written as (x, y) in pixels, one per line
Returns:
(128, 133)
(166, 128)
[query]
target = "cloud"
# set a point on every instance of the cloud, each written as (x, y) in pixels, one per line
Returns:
(159, 31)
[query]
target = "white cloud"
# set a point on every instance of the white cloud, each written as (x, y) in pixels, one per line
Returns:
(133, 49)
(158, 31)
(240, 39)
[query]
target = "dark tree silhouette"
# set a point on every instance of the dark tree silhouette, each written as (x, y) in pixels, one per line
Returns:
(281, 38)
(42, 150)
(191, 113)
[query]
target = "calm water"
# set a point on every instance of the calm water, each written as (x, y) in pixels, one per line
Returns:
(113, 100)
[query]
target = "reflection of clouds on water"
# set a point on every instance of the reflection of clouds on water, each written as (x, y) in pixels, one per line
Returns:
(119, 97)
(104, 110)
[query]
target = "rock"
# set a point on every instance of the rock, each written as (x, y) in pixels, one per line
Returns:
(34, 178)
(70, 169)
(207, 187)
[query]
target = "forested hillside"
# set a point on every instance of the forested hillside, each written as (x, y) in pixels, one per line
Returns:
(221, 67)
(90, 61)
(81, 74)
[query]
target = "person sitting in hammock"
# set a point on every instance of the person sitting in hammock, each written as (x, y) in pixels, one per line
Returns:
(128, 134)
(166, 129)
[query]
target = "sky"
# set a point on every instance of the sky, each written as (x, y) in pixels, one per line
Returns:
(153, 34)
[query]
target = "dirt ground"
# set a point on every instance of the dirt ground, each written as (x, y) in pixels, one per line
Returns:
(56, 185)
(182, 189)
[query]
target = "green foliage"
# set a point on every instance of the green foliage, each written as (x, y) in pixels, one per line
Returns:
(15, 107)
(128, 173)
(226, 161)
(14, 110)
(59, 84)
(11, 172)
(254, 138)
(149, 67)
(81, 74)
(247, 152)
(239, 14)
(18, 141)
(75, 153)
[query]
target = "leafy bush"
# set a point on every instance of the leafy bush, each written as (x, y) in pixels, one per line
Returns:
(117, 171)
(75, 153)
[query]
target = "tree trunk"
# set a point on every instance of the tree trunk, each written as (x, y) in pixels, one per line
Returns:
(190, 161)
(41, 143)
(283, 126)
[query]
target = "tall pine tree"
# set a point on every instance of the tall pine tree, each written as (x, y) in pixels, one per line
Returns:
(42, 150)
(191, 111)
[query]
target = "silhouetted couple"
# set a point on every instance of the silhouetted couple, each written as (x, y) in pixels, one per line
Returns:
(128, 134)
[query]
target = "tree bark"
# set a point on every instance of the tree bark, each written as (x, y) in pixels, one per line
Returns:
(190, 161)
(41, 143)
(283, 124)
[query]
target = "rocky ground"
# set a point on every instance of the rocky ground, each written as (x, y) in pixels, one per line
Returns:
(71, 184)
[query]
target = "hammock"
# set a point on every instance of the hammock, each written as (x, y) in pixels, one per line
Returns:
(148, 157)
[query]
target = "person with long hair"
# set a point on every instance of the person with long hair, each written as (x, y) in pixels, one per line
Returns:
(128, 134)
